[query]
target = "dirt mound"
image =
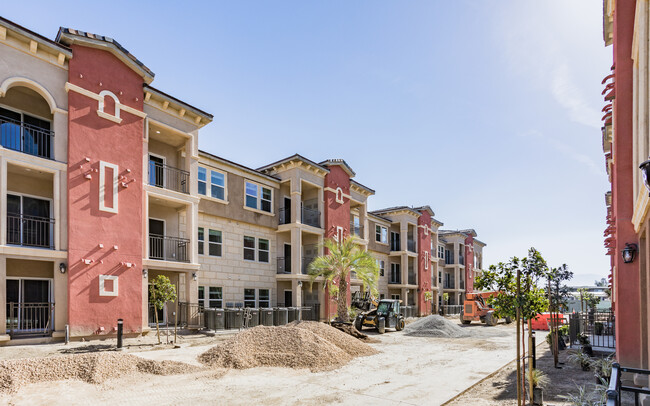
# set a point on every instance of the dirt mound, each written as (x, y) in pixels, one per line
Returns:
(308, 345)
(91, 368)
(435, 326)
(347, 341)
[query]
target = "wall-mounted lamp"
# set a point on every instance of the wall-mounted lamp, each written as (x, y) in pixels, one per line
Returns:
(629, 252)
(645, 170)
(195, 276)
(63, 267)
(144, 273)
(300, 284)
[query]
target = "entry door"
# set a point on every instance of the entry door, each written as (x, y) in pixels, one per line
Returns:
(287, 258)
(156, 240)
(287, 210)
(28, 304)
(288, 298)
(28, 221)
(156, 171)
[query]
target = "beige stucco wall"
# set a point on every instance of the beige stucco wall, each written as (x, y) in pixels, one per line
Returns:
(230, 271)
(372, 244)
(30, 269)
(170, 215)
(19, 183)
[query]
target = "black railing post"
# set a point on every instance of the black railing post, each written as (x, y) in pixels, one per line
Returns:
(120, 326)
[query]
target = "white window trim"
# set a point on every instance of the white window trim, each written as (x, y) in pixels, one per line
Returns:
(255, 303)
(268, 251)
(216, 243)
(102, 184)
(100, 111)
(258, 206)
(339, 195)
(102, 285)
(380, 234)
(266, 300)
(199, 242)
(244, 248)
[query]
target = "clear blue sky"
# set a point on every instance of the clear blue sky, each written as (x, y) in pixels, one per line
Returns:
(488, 111)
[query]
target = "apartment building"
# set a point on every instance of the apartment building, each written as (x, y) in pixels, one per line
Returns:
(460, 257)
(103, 187)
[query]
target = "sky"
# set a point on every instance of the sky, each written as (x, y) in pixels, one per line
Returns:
(487, 111)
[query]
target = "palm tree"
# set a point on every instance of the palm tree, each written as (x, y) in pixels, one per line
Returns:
(341, 259)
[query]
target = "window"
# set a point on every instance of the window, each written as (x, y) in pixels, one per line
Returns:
(381, 234)
(201, 297)
(441, 251)
(214, 243)
(201, 240)
(35, 138)
(395, 244)
(394, 297)
(263, 250)
(382, 296)
(395, 274)
(217, 183)
(249, 248)
(249, 297)
(216, 298)
(381, 265)
(264, 297)
(258, 197)
(440, 277)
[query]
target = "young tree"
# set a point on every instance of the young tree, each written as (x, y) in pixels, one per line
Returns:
(559, 296)
(341, 259)
(161, 291)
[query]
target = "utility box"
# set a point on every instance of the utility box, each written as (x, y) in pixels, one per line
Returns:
(282, 316)
(266, 316)
(209, 319)
(234, 318)
(219, 319)
(255, 318)
(292, 314)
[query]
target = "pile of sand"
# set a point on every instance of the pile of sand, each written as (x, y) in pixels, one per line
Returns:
(435, 326)
(91, 368)
(305, 345)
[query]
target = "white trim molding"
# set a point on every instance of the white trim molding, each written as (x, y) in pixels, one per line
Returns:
(100, 100)
(102, 285)
(102, 186)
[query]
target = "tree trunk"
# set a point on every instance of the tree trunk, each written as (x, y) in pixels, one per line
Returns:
(342, 304)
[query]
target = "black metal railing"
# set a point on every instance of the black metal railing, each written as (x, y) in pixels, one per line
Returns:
(285, 215)
(284, 265)
(449, 259)
(395, 245)
(184, 315)
(449, 284)
(310, 217)
(598, 326)
(615, 387)
(395, 280)
(30, 319)
(412, 279)
(168, 177)
(169, 248)
(27, 138)
(411, 245)
(452, 309)
(30, 231)
(356, 229)
(305, 264)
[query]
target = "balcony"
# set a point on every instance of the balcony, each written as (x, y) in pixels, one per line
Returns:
(284, 265)
(449, 284)
(168, 177)
(461, 285)
(27, 138)
(30, 231)
(356, 229)
(395, 280)
(168, 248)
(305, 264)
(449, 260)
(411, 245)
(412, 279)
(310, 217)
(395, 245)
(461, 260)
(285, 215)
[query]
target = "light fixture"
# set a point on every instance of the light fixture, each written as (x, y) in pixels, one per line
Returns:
(629, 252)
(300, 284)
(144, 273)
(62, 267)
(645, 170)
(195, 276)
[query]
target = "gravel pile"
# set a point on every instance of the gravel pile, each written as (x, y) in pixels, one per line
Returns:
(435, 326)
(91, 368)
(314, 346)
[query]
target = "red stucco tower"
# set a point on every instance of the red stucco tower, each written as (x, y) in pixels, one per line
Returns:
(424, 261)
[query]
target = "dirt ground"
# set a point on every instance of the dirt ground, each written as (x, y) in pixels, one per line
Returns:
(407, 370)
(501, 388)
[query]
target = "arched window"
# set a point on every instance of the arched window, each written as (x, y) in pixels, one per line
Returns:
(115, 116)
(339, 195)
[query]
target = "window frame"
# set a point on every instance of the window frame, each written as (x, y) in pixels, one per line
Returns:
(259, 197)
(218, 289)
(260, 250)
(201, 240)
(209, 185)
(218, 244)
(253, 248)
(267, 300)
(381, 232)
(382, 267)
(248, 301)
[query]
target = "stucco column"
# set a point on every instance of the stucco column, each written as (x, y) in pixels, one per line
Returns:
(296, 196)
(3, 205)
(321, 207)
(405, 298)
(404, 268)
(145, 302)
(404, 232)
(145, 226)
(3, 291)
(60, 127)
(192, 296)
(60, 294)
(296, 251)
(56, 209)
(363, 220)
(192, 222)
(297, 294)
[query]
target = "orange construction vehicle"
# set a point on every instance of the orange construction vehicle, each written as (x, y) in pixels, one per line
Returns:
(476, 308)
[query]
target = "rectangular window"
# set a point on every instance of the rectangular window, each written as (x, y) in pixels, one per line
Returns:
(381, 234)
(258, 197)
(441, 251)
(381, 265)
(203, 178)
(264, 298)
(214, 243)
(440, 277)
(394, 297)
(382, 296)
(201, 297)
(395, 244)
(249, 248)
(217, 185)
(395, 273)
(249, 297)
(201, 240)
(216, 298)
(263, 250)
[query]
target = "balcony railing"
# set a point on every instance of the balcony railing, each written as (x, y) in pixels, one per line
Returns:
(411, 245)
(305, 264)
(461, 260)
(168, 248)
(461, 285)
(285, 215)
(395, 245)
(449, 260)
(27, 138)
(395, 280)
(412, 280)
(30, 231)
(449, 284)
(284, 265)
(310, 217)
(356, 229)
(168, 177)
(30, 319)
